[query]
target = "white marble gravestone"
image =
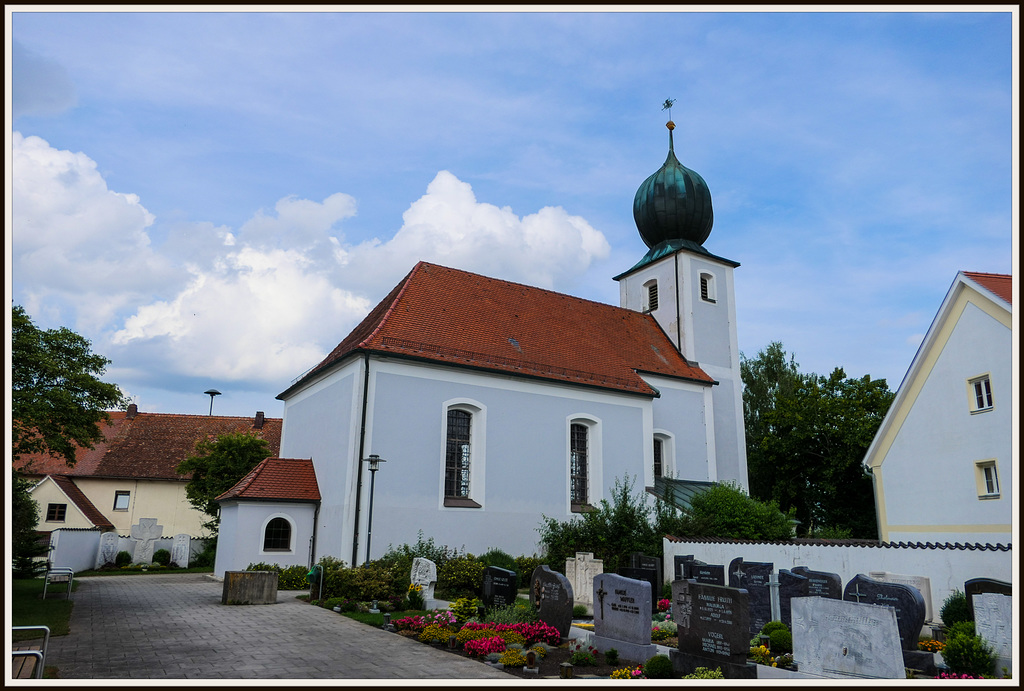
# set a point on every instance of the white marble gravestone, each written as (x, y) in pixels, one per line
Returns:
(839, 639)
(108, 549)
(622, 616)
(993, 621)
(581, 570)
(424, 574)
(181, 550)
(146, 533)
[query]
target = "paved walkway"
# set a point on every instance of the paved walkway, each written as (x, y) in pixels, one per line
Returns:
(173, 626)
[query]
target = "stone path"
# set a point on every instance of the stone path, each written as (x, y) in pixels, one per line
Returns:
(172, 626)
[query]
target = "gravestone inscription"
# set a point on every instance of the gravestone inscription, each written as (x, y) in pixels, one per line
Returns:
(845, 639)
(713, 624)
(181, 550)
(922, 583)
(622, 616)
(712, 574)
(905, 599)
(821, 583)
(551, 593)
(500, 587)
(754, 576)
(108, 548)
(993, 621)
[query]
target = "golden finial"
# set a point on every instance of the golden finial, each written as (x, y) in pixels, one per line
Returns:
(667, 105)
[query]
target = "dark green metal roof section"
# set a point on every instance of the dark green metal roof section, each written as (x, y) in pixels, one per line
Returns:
(679, 493)
(674, 203)
(670, 247)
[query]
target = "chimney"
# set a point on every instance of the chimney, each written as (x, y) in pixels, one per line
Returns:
(258, 424)
(133, 410)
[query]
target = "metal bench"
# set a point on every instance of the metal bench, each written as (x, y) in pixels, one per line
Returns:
(59, 574)
(28, 661)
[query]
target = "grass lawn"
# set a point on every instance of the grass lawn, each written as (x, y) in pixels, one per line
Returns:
(29, 609)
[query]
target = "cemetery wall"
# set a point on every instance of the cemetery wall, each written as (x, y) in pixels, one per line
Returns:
(77, 548)
(948, 568)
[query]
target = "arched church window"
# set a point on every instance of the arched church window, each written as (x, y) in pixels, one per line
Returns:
(579, 466)
(277, 537)
(458, 454)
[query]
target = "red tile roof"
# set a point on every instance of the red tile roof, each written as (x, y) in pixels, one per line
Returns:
(1000, 284)
(291, 479)
(148, 445)
(82, 502)
(464, 319)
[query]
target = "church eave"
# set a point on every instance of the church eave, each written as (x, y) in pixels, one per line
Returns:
(670, 247)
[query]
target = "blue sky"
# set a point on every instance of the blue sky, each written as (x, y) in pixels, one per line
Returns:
(215, 199)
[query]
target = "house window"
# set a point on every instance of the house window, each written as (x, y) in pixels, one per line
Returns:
(658, 449)
(707, 287)
(277, 536)
(121, 500)
(987, 478)
(579, 449)
(980, 392)
(56, 512)
(652, 296)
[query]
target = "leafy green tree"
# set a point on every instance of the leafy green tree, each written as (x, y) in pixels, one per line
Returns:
(725, 510)
(217, 466)
(24, 518)
(767, 378)
(57, 398)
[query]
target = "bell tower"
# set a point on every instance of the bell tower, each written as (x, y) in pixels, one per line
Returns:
(690, 293)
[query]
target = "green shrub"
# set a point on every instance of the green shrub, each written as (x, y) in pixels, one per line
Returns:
(955, 609)
(960, 628)
(208, 556)
(659, 667)
(705, 673)
(525, 566)
(293, 578)
(725, 510)
(773, 626)
(496, 557)
(263, 566)
(579, 611)
(969, 654)
(521, 611)
(461, 576)
(465, 608)
(780, 642)
(123, 558)
(162, 557)
(611, 656)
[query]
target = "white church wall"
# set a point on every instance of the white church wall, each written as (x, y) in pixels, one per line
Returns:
(709, 320)
(679, 412)
(928, 474)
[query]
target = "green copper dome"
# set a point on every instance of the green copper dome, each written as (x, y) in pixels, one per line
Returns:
(673, 204)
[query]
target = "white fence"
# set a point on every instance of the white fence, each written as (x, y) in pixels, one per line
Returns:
(79, 548)
(947, 566)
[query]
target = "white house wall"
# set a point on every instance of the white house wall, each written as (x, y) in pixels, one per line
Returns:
(928, 472)
(246, 523)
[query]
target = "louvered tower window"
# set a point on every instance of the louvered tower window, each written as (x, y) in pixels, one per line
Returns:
(652, 296)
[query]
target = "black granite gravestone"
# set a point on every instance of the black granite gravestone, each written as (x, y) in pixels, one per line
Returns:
(905, 599)
(821, 583)
(679, 562)
(712, 574)
(976, 586)
(643, 561)
(499, 587)
(753, 576)
(551, 593)
(713, 624)
(790, 585)
(639, 574)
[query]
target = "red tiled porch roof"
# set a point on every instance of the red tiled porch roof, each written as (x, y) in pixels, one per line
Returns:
(292, 479)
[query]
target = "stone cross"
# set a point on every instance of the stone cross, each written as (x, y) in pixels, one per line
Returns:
(738, 573)
(147, 532)
(856, 592)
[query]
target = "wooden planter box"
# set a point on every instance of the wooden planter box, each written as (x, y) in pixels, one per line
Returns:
(249, 588)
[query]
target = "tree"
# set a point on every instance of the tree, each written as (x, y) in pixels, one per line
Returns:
(217, 466)
(57, 398)
(25, 546)
(806, 440)
(725, 510)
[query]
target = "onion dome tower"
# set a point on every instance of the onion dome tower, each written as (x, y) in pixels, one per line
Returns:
(674, 203)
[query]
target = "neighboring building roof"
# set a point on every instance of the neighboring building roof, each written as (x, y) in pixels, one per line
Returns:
(463, 319)
(999, 284)
(88, 509)
(286, 479)
(149, 446)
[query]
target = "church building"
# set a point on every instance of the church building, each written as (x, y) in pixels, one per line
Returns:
(487, 405)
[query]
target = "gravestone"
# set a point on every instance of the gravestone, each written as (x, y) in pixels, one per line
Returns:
(181, 550)
(712, 574)
(713, 624)
(643, 575)
(753, 576)
(639, 560)
(499, 587)
(821, 583)
(551, 593)
(146, 533)
(976, 586)
(993, 621)
(581, 570)
(424, 574)
(622, 616)
(922, 583)
(679, 562)
(108, 549)
(791, 585)
(905, 599)
(843, 639)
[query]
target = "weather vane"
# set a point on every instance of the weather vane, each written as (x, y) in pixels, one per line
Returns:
(667, 105)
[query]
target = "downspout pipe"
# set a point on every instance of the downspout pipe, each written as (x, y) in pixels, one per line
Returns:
(359, 459)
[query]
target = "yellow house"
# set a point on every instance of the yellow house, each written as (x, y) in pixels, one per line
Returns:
(132, 473)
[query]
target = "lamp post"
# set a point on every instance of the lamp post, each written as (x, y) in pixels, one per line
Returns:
(374, 460)
(211, 393)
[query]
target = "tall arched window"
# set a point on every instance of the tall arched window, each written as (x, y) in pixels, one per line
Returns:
(457, 454)
(658, 457)
(579, 464)
(277, 537)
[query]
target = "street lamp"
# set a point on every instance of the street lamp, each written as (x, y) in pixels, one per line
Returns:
(211, 393)
(374, 460)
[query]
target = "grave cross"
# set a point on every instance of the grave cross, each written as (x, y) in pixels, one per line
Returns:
(601, 592)
(147, 532)
(739, 574)
(856, 592)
